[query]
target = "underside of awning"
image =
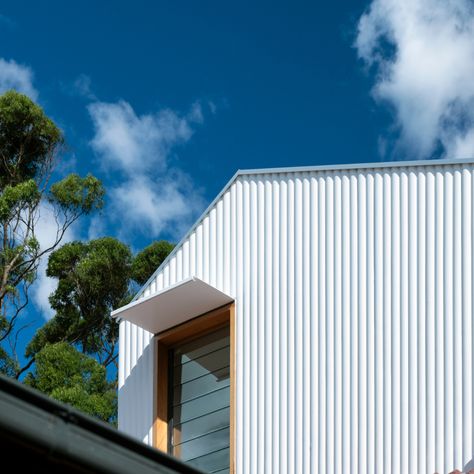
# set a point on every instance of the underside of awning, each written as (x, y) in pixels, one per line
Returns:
(174, 305)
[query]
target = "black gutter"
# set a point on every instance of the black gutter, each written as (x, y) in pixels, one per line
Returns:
(34, 429)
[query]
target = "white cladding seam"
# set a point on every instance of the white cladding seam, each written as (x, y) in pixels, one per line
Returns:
(353, 292)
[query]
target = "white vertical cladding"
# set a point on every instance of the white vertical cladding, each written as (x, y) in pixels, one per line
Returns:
(467, 310)
(135, 395)
(354, 315)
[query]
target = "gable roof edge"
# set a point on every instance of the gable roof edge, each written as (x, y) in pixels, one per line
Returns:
(188, 233)
(298, 169)
(358, 166)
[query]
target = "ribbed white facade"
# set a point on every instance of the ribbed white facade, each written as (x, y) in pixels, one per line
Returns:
(354, 315)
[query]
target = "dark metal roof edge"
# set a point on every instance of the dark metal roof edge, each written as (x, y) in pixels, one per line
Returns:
(33, 417)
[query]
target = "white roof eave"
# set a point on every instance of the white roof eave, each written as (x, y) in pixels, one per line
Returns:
(174, 305)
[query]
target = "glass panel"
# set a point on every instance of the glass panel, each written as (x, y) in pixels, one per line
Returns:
(200, 401)
(201, 386)
(200, 406)
(204, 445)
(212, 462)
(201, 346)
(200, 426)
(201, 366)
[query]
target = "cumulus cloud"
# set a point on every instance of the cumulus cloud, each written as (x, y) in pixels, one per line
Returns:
(17, 76)
(422, 52)
(149, 194)
(162, 203)
(134, 143)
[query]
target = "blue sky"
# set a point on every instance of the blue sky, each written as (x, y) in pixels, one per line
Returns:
(285, 81)
(165, 100)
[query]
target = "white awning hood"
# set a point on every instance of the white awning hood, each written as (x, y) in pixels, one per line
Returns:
(174, 305)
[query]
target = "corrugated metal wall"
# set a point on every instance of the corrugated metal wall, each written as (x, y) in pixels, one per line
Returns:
(354, 316)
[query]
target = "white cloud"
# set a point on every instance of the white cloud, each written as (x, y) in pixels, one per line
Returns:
(212, 107)
(97, 227)
(46, 233)
(423, 54)
(82, 87)
(17, 76)
(150, 196)
(133, 143)
(42, 289)
(196, 114)
(154, 205)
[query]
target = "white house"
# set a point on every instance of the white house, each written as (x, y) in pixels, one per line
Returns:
(330, 314)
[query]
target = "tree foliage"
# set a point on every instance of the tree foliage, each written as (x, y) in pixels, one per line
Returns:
(93, 278)
(68, 376)
(30, 145)
(28, 140)
(149, 259)
(70, 354)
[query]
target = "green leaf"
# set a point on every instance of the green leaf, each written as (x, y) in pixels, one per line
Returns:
(15, 198)
(77, 194)
(28, 138)
(149, 259)
(68, 376)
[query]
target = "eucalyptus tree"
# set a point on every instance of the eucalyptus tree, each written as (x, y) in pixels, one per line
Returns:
(149, 259)
(67, 375)
(93, 278)
(30, 147)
